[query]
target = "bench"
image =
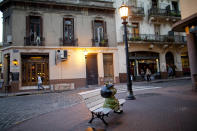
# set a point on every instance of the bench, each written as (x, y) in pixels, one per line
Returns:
(94, 102)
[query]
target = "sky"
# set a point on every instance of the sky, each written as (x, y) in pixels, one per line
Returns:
(1, 26)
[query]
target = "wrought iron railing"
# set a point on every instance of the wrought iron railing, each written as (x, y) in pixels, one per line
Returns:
(39, 41)
(164, 12)
(156, 38)
(137, 10)
(101, 43)
(69, 42)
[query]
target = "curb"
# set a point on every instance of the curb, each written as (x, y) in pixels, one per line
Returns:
(49, 91)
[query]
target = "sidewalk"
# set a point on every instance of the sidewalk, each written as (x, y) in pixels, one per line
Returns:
(49, 91)
(164, 109)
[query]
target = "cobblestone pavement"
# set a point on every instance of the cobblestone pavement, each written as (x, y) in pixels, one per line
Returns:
(16, 109)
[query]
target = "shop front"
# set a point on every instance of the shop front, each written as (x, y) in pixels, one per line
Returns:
(142, 60)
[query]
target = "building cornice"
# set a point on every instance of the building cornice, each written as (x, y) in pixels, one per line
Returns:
(59, 5)
(57, 48)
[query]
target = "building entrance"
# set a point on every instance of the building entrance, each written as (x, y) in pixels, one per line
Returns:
(32, 66)
(141, 60)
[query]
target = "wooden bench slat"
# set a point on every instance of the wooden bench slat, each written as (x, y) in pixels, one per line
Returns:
(92, 104)
(93, 99)
(96, 107)
(103, 110)
(91, 93)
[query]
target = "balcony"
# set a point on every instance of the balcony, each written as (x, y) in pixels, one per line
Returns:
(156, 38)
(68, 42)
(158, 15)
(39, 41)
(136, 13)
(102, 43)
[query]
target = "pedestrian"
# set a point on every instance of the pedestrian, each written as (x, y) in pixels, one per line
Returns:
(170, 71)
(142, 73)
(174, 70)
(148, 74)
(40, 83)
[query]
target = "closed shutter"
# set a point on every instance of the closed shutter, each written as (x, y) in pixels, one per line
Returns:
(27, 26)
(93, 34)
(105, 27)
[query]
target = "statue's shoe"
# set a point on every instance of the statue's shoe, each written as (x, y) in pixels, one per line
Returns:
(118, 111)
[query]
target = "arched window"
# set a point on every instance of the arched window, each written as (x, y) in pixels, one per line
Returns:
(169, 58)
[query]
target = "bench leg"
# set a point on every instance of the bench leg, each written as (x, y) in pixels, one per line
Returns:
(102, 118)
(98, 115)
(92, 118)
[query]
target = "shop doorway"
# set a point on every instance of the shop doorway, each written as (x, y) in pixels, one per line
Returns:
(6, 73)
(92, 69)
(108, 68)
(185, 64)
(141, 60)
(169, 59)
(32, 66)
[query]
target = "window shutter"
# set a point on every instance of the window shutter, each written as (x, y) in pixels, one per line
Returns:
(63, 30)
(73, 35)
(27, 26)
(105, 27)
(41, 27)
(93, 33)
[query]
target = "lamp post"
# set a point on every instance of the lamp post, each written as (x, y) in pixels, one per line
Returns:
(123, 10)
(85, 54)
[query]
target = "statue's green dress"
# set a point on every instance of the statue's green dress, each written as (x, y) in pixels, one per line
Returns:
(112, 102)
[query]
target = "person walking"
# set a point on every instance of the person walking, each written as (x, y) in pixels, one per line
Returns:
(40, 83)
(142, 73)
(174, 70)
(148, 74)
(170, 72)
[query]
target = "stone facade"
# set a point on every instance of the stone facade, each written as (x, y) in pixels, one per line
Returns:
(53, 19)
(150, 38)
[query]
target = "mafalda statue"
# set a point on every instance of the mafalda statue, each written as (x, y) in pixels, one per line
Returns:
(108, 92)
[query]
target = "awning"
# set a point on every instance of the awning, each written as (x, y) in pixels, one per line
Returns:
(189, 21)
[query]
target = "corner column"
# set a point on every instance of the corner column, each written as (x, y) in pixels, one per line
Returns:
(192, 52)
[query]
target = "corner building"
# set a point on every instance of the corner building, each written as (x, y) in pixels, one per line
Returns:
(50, 38)
(152, 44)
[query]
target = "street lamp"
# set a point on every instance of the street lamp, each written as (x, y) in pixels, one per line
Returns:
(123, 10)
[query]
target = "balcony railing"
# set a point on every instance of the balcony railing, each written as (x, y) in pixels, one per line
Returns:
(69, 42)
(164, 12)
(136, 10)
(156, 38)
(37, 42)
(102, 43)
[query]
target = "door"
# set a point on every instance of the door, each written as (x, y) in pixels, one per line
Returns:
(135, 29)
(157, 31)
(92, 69)
(32, 66)
(108, 68)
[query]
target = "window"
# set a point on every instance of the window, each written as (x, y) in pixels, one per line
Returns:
(157, 29)
(174, 6)
(7, 28)
(135, 29)
(99, 33)
(34, 30)
(68, 31)
(154, 4)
